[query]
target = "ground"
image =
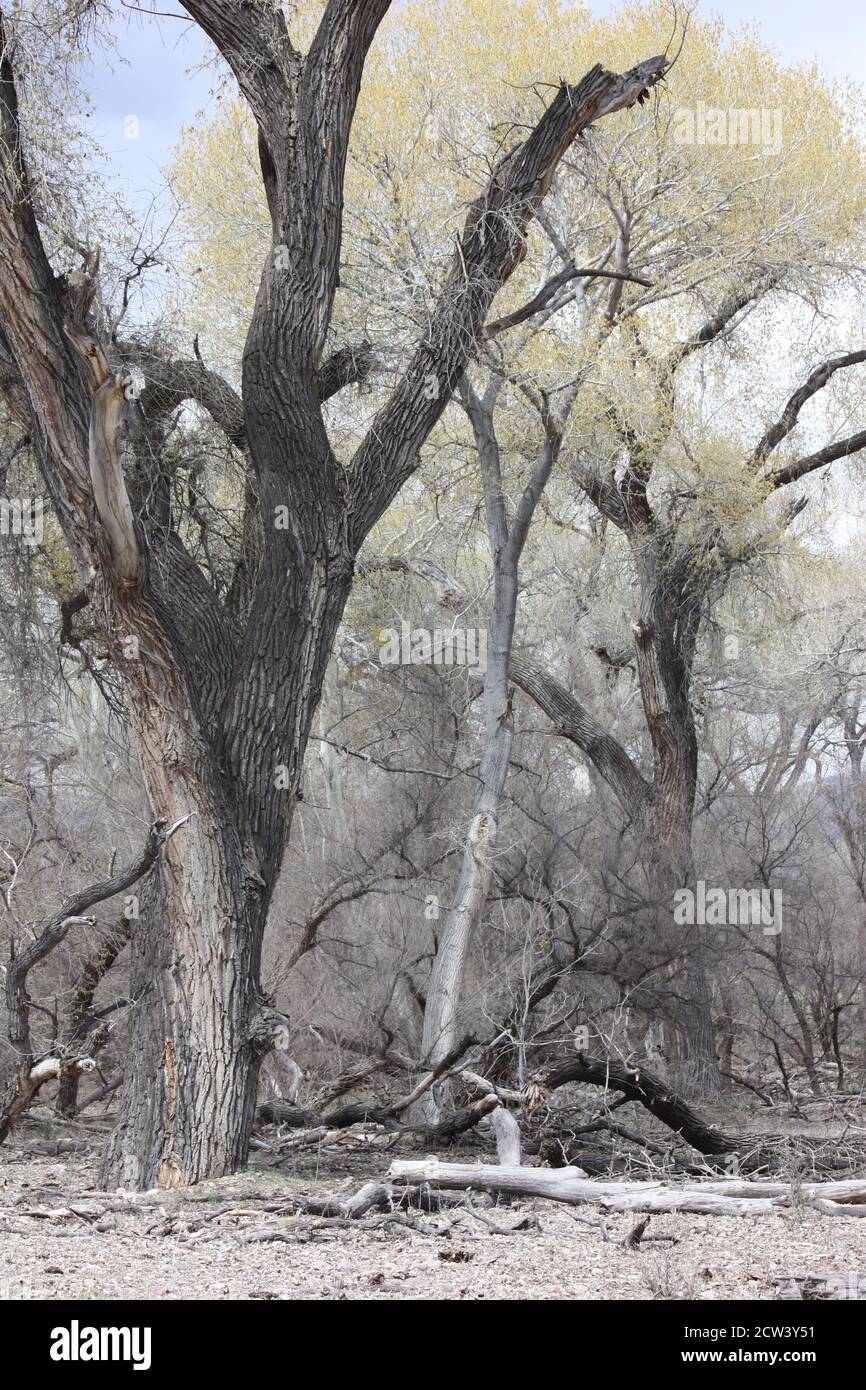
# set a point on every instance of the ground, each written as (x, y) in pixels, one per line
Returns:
(60, 1238)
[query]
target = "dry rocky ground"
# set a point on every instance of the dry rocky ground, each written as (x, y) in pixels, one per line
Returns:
(60, 1238)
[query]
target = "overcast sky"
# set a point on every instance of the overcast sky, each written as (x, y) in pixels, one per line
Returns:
(160, 80)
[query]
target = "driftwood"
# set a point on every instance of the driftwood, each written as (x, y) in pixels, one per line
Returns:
(835, 1208)
(727, 1198)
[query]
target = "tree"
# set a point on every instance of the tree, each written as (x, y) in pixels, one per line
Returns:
(221, 690)
(712, 234)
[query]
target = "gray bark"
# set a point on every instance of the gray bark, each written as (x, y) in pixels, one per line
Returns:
(571, 1185)
(507, 1132)
(442, 1011)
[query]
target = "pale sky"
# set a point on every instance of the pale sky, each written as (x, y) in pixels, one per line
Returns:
(160, 80)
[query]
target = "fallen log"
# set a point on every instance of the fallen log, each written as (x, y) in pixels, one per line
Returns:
(651, 1092)
(831, 1208)
(758, 1151)
(727, 1198)
(815, 1287)
(365, 1112)
(278, 1112)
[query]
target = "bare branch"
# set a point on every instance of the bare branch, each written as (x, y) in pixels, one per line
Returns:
(574, 723)
(814, 383)
(549, 291)
(843, 448)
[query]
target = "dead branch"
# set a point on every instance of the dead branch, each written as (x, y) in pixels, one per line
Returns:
(33, 1071)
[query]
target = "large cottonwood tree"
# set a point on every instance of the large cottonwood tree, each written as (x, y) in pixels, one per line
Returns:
(221, 691)
(711, 233)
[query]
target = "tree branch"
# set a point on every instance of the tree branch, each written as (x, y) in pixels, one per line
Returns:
(843, 448)
(574, 723)
(491, 246)
(30, 1078)
(548, 292)
(787, 420)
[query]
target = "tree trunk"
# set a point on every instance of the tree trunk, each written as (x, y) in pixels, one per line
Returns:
(441, 1014)
(442, 1009)
(184, 1045)
(696, 1063)
(665, 636)
(199, 1027)
(221, 695)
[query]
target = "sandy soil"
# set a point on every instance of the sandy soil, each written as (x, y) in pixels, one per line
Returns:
(186, 1245)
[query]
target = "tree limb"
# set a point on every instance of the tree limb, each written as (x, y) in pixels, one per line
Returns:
(492, 245)
(782, 427)
(574, 723)
(843, 448)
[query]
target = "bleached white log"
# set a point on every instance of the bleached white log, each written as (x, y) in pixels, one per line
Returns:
(726, 1198)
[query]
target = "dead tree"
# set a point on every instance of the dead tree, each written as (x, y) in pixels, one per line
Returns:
(32, 1070)
(727, 1198)
(81, 1022)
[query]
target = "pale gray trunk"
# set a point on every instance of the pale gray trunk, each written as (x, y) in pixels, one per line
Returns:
(442, 1011)
(441, 1015)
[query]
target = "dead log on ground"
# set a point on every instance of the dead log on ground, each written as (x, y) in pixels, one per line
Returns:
(728, 1198)
(816, 1287)
(650, 1091)
(755, 1151)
